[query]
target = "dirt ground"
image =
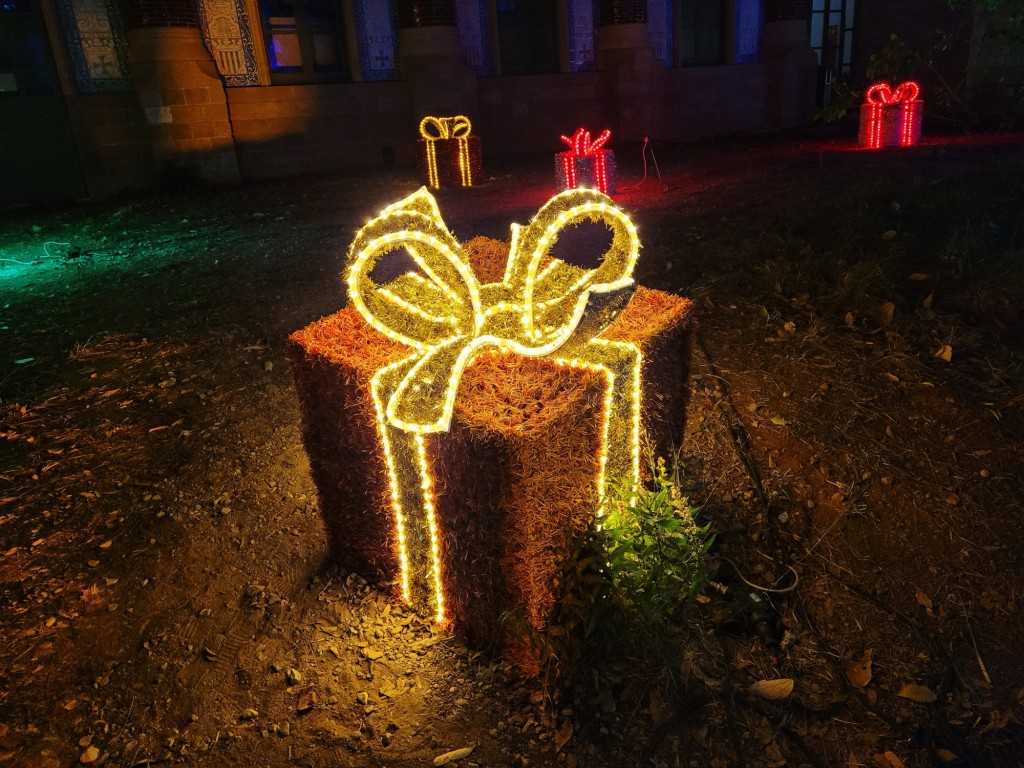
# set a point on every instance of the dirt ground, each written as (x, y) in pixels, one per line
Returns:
(857, 418)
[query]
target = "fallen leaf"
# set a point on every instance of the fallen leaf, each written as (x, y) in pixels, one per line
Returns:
(859, 672)
(945, 756)
(945, 353)
(89, 756)
(848, 320)
(778, 421)
(926, 302)
(919, 693)
(924, 601)
(888, 760)
(106, 544)
(563, 736)
(789, 327)
(889, 234)
(773, 690)
(919, 276)
(455, 754)
(888, 308)
(890, 377)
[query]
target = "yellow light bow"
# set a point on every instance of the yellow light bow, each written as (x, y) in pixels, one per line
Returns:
(543, 306)
(457, 127)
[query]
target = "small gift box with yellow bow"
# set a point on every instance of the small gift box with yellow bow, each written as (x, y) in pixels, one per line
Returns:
(449, 155)
(464, 418)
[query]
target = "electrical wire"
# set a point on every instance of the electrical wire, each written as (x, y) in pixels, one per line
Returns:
(46, 251)
(52, 242)
(759, 587)
(643, 156)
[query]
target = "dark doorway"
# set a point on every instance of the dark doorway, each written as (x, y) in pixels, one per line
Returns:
(38, 160)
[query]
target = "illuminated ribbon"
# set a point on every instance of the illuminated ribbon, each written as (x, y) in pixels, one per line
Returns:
(457, 127)
(543, 306)
(580, 145)
(880, 97)
(883, 94)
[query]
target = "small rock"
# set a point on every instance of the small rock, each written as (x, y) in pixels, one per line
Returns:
(293, 676)
(307, 701)
(362, 697)
(385, 740)
(90, 755)
(248, 714)
(268, 365)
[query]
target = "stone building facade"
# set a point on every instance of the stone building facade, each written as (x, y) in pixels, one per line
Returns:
(103, 95)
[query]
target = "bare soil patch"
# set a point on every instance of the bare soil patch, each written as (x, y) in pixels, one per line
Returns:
(856, 419)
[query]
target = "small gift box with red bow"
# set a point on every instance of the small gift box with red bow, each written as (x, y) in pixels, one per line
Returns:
(449, 155)
(463, 419)
(586, 164)
(891, 118)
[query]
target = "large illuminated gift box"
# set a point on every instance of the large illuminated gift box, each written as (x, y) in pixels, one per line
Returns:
(463, 419)
(449, 155)
(891, 118)
(586, 164)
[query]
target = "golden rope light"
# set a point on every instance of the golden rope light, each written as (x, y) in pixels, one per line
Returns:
(543, 307)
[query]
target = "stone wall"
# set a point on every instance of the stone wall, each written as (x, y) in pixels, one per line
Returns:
(528, 113)
(287, 130)
(714, 101)
(113, 142)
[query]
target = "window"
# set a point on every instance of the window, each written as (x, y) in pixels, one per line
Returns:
(527, 36)
(305, 40)
(701, 32)
(832, 35)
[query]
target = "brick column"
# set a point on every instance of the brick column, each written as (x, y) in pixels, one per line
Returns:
(430, 60)
(790, 66)
(634, 77)
(179, 89)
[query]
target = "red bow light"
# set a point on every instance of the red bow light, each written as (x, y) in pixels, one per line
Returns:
(881, 93)
(581, 145)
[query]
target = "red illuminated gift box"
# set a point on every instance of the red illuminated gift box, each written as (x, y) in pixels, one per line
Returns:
(449, 156)
(586, 163)
(891, 118)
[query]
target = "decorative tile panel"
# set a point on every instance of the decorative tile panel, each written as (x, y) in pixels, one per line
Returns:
(749, 25)
(474, 34)
(582, 22)
(96, 43)
(659, 28)
(228, 36)
(378, 43)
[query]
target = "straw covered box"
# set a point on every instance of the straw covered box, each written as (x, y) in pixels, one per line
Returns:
(514, 476)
